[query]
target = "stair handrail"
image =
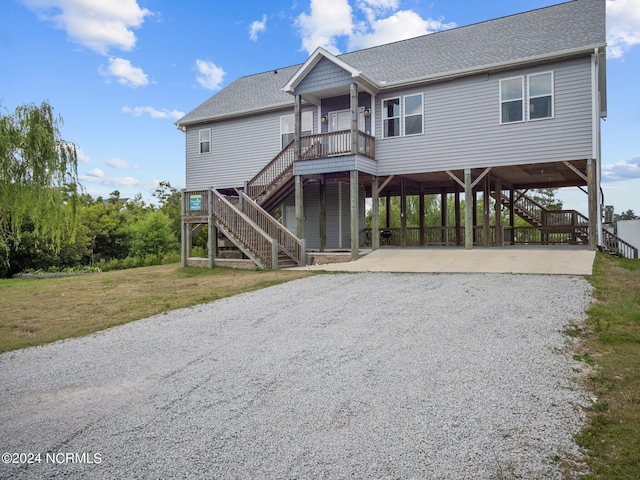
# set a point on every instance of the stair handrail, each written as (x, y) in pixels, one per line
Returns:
(252, 240)
(289, 243)
(260, 183)
(617, 246)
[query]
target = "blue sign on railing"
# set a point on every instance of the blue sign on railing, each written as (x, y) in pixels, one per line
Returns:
(195, 203)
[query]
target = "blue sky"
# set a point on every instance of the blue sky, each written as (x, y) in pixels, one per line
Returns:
(120, 72)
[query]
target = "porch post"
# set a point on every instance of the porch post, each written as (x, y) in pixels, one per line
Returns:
(212, 243)
(421, 207)
(375, 214)
(355, 218)
(323, 213)
(468, 210)
(593, 204)
(354, 117)
(458, 216)
(183, 233)
(403, 213)
(486, 220)
(512, 214)
(444, 207)
(297, 118)
(299, 199)
(498, 210)
(388, 211)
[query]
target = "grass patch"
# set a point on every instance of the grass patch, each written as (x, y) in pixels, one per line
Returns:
(39, 311)
(612, 345)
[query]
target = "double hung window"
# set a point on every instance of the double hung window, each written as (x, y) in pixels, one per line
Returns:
(205, 140)
(403, 116)
(288, 127)
(539, 98)
(512, 100)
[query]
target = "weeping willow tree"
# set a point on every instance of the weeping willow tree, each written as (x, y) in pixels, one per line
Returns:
(38, 176)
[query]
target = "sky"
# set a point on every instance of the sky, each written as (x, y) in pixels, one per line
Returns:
(121, 72)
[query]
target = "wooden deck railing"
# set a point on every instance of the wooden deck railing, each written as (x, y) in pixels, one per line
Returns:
(253, 241)
(289, 244)
(276, 170)
(335, 143)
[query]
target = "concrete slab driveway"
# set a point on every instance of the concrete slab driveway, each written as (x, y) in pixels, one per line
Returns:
(373, 375)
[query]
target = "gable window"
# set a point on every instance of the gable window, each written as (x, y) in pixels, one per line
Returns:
(413, 114)
(512, 100)
(540, 95)
(205, 141)
(391, 118)
(288, 127)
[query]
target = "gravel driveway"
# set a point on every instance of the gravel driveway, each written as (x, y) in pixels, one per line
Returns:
(363, 376)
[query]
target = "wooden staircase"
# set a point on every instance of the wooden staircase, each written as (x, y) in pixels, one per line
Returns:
(245, 221)
(537, 215)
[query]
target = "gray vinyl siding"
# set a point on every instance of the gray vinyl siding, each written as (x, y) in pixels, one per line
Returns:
(325, 74)
(462, 125)
(240, 148)
(338, 209)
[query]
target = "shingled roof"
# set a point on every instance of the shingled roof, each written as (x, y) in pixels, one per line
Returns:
(535, 36)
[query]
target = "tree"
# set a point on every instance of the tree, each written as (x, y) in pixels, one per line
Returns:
(547, 198)
(152, 235)
(628, 215)
(38, 175)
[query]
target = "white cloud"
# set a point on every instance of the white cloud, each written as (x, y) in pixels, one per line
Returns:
(623, 170)
(119, 163)
(257, 27)
(333, 20)
(126, 73)
(95, 173)
(83, 157)
(399, 26)
(99, 25)
(623, 26)
(328, 20)
(210, 76)
(154, 113)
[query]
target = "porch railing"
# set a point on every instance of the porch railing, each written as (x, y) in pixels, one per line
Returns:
(335, 143)
(614, 245)
(288, 243)
(252, 240)
(277, 170)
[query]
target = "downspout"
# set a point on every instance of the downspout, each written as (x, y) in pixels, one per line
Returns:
(597, 148)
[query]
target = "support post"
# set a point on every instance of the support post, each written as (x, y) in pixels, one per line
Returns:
(498, 210)
(444, 237)
(486, 219)
(183, 234)
(375, 214)
(297, 119)
(299, 199)
(212, 243)
(388, 211)
(403, 213)
(354, 117)
(512, 215)
(323, 213)
(355, 218)
(468, 210)
(458, 215)
(421, 208)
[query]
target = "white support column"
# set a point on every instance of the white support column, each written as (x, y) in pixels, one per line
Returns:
(354, 117)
